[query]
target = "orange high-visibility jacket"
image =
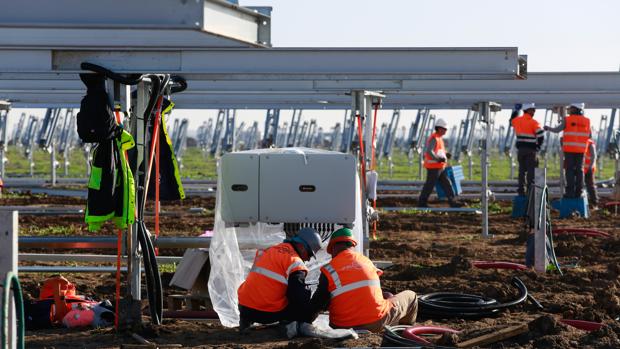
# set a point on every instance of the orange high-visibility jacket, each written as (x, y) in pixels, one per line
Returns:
(266, 284)
(576, 134)
(439, 150)
(355, 290)
(590, 150)
(528, 131)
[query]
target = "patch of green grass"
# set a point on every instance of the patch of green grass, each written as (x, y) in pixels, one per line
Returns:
(494, 207)
(168, 268)
(57, 230)
(197, 165)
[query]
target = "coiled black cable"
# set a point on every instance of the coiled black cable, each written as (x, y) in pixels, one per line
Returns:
(131, 79)
(459, 305)
(392, 338)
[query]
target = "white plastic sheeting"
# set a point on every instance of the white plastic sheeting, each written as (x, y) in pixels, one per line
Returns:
(233, 249)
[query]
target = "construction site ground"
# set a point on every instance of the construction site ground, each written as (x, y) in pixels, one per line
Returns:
(431, 252)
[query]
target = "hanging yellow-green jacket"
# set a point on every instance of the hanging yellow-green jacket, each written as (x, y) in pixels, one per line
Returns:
(170, 186)
(111, 187)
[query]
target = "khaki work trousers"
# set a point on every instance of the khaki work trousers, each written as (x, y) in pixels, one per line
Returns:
(404, 311)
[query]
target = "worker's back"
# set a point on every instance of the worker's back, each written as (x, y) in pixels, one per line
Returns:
(266, 284)
(576, 134)
(526, 130)
(356, 296)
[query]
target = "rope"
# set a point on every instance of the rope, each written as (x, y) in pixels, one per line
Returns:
(12, 282)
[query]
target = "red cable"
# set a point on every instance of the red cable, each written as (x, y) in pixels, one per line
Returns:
(583, 325)
(153, 142)
(119, 246)
(498, 265)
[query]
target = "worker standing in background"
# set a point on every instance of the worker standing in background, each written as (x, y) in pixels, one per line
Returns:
(349, 287)
(589, 168)
(529, 140)
(576, 127)
(275, 289)
(435, 161)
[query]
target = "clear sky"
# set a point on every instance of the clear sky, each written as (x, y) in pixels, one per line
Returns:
(568, 35)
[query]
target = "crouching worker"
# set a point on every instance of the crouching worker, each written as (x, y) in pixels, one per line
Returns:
(349, 287)
(275, 289)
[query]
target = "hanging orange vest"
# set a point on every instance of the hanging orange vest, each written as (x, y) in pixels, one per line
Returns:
(526, 129)
(588, 158)
(356, 296)
(439, 149)
(266, 284)
(576, 134)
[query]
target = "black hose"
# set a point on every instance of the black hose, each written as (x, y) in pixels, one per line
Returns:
(179, 84)
(459, 305)
(549, 232)
(132, 79)
(392, 338)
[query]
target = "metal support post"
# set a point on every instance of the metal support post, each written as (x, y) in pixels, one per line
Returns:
(540, 219)
(362, 105)
(53, 163)
(485, 113)
(561, 114)
(137, 164)
(4, 115)
(8, 262)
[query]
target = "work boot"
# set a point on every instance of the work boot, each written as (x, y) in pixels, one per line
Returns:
(244, 325)
(289, 328)
(455, 204)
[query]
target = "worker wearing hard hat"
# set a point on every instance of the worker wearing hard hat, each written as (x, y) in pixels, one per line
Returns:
(275, 289)
(435, 161)
(350, 289)
(576, 127)
(589, 168)
(529, 139)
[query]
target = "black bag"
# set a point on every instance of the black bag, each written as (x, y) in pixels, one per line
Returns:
(95, 121)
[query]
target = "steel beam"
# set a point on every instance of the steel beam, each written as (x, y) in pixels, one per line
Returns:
(138, 23)
(32, 95)
(107, 242)
(93, 258)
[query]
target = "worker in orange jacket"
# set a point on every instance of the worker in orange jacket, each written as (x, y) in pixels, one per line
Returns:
(529, 139)
(577, 132)
(349, 287)
(435, 162)
(589, 168)
(275, 289)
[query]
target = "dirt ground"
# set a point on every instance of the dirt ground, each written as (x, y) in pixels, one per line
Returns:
(431, 252)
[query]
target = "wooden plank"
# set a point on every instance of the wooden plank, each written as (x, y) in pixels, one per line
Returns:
(495, 336)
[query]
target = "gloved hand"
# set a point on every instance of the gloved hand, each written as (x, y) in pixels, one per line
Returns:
(442, 160)
(546, 128)
(448, 156)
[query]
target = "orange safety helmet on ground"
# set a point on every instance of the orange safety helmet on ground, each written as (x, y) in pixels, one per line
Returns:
(341, 235)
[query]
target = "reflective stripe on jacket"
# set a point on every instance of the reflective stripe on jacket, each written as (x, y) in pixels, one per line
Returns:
(590, 153)
(528, 131)
(355, 290)
(265, 287)
(438, 151)
(576, 134)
